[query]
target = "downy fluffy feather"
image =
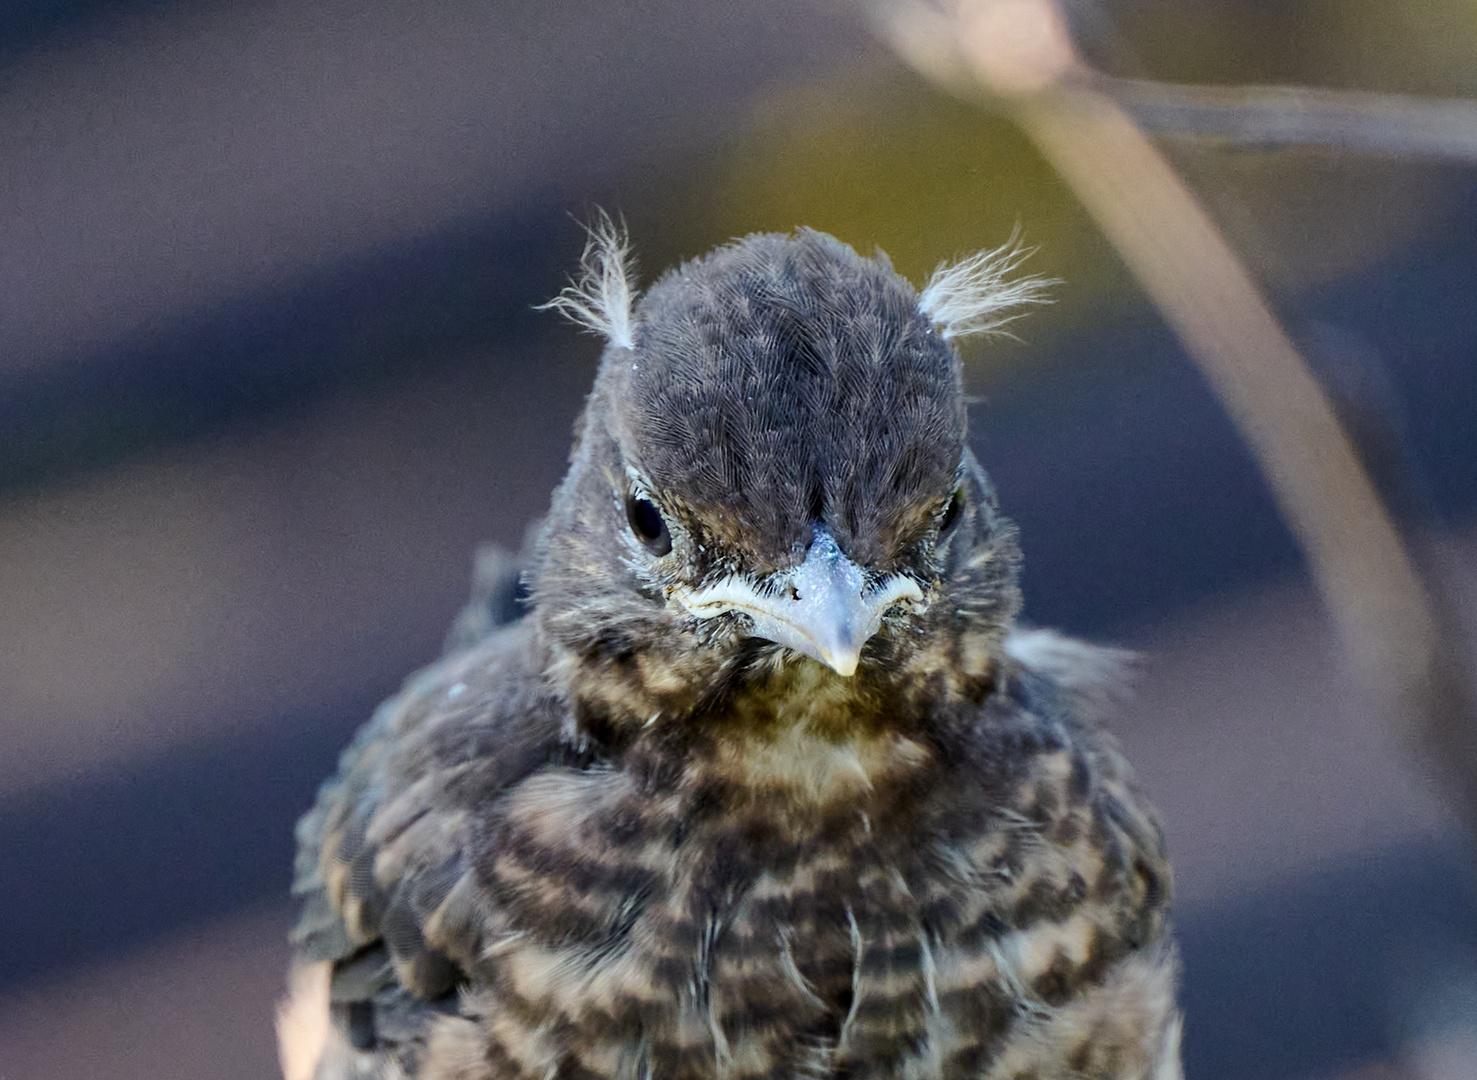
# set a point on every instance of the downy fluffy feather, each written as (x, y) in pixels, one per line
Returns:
(600, 298)
(977, 295)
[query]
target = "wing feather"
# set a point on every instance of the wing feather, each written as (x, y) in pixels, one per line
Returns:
(387, 894)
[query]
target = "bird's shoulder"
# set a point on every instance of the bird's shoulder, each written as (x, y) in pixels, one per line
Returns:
(1059, 809)
(382, 872)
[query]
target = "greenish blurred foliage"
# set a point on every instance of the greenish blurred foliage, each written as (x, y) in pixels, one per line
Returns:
(873, 155)
(881, 160)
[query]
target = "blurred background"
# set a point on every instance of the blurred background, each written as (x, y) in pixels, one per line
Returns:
(269, 372)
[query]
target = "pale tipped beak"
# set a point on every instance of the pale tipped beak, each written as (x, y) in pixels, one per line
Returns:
(821, 608)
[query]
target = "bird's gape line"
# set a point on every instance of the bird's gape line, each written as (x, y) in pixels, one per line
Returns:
(821, 608)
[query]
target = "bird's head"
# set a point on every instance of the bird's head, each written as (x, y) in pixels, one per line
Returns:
(771, 474)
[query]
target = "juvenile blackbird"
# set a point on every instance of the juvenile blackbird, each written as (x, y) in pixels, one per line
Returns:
(764, 783)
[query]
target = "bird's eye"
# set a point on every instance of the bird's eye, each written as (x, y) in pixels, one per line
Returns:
(648, 525)
(951, 515)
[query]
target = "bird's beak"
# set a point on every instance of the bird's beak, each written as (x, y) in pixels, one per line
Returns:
(820, 608)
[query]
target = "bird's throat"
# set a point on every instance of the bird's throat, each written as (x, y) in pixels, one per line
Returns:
(812, 735)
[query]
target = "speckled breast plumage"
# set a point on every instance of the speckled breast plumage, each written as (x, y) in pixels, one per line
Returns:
(951, 915)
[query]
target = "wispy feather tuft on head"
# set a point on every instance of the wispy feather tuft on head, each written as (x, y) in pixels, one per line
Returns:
(977, 295)
(600, 299)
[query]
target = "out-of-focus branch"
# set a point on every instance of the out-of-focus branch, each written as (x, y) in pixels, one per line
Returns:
(1018, 55)
(927, 36)
(1352, 120)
